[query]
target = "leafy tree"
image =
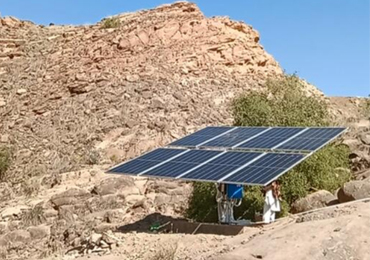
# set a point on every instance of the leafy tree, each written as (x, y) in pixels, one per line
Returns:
(284, 102)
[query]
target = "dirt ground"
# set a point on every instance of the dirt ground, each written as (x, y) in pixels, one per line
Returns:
(338, 232)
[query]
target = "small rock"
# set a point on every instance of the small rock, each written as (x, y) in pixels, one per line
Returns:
(132, 78)
(13, 211)
(158, 103)
(365, 138)
(39, 232)
(131, 123)
(179, 96)
(146, 94)
(21, 91)
(6, 191)
(95, 238)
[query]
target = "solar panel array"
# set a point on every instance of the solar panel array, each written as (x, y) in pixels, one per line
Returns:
(211, 166)
(244, 155)
(261, 138)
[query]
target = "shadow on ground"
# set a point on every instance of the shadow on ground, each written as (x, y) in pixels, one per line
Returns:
(158, 223)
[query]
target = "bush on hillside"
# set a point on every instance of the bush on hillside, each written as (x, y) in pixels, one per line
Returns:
(367, 107)
(283, 103)
(112, 22)
(5, 158)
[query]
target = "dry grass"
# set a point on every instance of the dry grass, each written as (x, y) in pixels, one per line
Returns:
(112, 22)
(367, 107)
(5, 159)
(31, 187)
(114, 159)
(165, 253)
(92, 156)
(34, 217)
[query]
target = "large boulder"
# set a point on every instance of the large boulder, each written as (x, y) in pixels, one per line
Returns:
(123, 185)
(354, 190)
(39, 232)
(70, 197)
(15, 238)
(315, 200)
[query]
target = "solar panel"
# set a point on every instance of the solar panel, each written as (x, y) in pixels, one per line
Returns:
(262, 138)
(202, 136)
(235, 137)
(182, 163)
(210, 166)
(221, 166)
(312, 139)
(146, 161)
(271, 138)
(241, 166)
(267, 168)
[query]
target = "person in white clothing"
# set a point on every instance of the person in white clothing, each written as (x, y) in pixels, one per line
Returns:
(272, 203)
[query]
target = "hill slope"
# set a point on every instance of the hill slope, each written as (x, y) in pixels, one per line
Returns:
(75, 97)
(67, 91)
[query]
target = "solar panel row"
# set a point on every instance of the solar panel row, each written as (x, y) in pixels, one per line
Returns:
(213, 166)
(235, 164)
(278, 138)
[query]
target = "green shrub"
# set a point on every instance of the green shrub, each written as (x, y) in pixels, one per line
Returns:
(202, 203)
(283, 103)
(112, 22)
(5, 159)
(252, 203)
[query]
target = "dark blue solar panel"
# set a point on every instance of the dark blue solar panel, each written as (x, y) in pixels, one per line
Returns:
(182, 164)
(312, 139)
(201, 136)
(221, 166)
(146, 161)
(265, 169)
(212, 165)
(235, 137)
(271, 138)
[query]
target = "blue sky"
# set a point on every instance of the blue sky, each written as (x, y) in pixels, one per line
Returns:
(327, 42)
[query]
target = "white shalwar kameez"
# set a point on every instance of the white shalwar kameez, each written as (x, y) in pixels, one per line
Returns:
(271, 206)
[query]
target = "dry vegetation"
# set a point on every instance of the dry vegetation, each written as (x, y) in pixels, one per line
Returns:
(112, 22)
(165, 252)
(5, 159)
(34, 217)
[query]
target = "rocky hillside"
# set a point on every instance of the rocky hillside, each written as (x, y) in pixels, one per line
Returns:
(70, 95)
(77, 99)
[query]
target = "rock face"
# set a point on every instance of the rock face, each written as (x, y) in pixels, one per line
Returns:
(354, 190)
(353, 113)
(83, 92)
(314, 200)
(77, 95)
(115, 185)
